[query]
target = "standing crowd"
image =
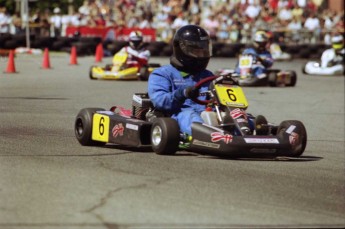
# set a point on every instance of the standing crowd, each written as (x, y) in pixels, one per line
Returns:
(227, 21)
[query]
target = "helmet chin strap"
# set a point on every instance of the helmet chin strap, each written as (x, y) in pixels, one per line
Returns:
(189, 70)
(176, 63)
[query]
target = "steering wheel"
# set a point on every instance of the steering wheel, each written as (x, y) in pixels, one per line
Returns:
(198, 86)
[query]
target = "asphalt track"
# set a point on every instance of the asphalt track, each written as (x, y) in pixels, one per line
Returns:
(48, 180)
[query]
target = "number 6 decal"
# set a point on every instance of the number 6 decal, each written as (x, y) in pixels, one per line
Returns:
(100, 128)
(231, 95)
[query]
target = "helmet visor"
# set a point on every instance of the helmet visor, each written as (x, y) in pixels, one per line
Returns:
(339, 45)
(261, 44)
(196, 49)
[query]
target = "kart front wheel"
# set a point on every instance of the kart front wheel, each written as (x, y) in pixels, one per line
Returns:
(165, 136)
(91, 74)
(261, 127)
(83, 127)
(296, 134)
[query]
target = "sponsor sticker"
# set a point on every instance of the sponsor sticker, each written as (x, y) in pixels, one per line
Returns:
(217, 136)
(131, 126)
(238, 113)
(261, 140)
(290, 129)
(106, 112)
(137, 99)
(293, 138)
(118, 130)
(206, 144)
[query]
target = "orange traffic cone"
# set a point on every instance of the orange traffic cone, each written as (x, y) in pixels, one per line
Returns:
(99, 53)
(73, 57)
(11, 68)
(46, 61)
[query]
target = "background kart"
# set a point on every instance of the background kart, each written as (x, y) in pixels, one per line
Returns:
(234, 133)
(273, 78)
(120, 71)
(314, 68)
(278, 54)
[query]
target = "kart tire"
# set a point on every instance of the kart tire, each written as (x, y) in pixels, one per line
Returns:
(272, 79)
(90, 73)
(144, 73)
(83, 127)
(298, 147)
(303, 68)
(165, 136)
(293, 80)
(261, 127)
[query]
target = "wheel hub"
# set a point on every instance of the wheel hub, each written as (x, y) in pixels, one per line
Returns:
(156, 135)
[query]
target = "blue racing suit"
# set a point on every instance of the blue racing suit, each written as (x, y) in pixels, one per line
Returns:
(261, 61)
(166, 89)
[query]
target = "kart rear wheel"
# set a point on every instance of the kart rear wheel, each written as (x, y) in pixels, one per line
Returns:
(303, 68)
(144, 73)
(90, 73)
(296, 134)
(165, 136)
(83, 127)
(293, 79)
(272, 79)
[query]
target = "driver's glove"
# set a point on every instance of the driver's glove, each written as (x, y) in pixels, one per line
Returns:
(191, 92)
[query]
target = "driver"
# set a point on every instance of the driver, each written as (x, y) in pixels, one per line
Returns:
(137, 55)
(335, 55)
(262, 57)
(171, 87)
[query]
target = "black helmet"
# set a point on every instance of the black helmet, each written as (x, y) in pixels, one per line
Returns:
(192, 49)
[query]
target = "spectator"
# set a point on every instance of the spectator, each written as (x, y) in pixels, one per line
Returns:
(252, 11)
(297, 12)
(85, 8)
(17, 24)
(211, 25)
(56, 22)
(285, 13)
(5, 21)
(294, 28)
(312, 24)
(179, 21)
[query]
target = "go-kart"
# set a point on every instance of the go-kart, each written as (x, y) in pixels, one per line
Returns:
(118, 70)
(273, 78)
(315, 68)
(234, 132)
(330, 65)
(278, 54)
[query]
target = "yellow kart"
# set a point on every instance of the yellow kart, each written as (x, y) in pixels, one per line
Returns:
(119, 70)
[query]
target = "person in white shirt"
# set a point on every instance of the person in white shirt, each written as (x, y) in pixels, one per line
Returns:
(5, 21)
(56, 22)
